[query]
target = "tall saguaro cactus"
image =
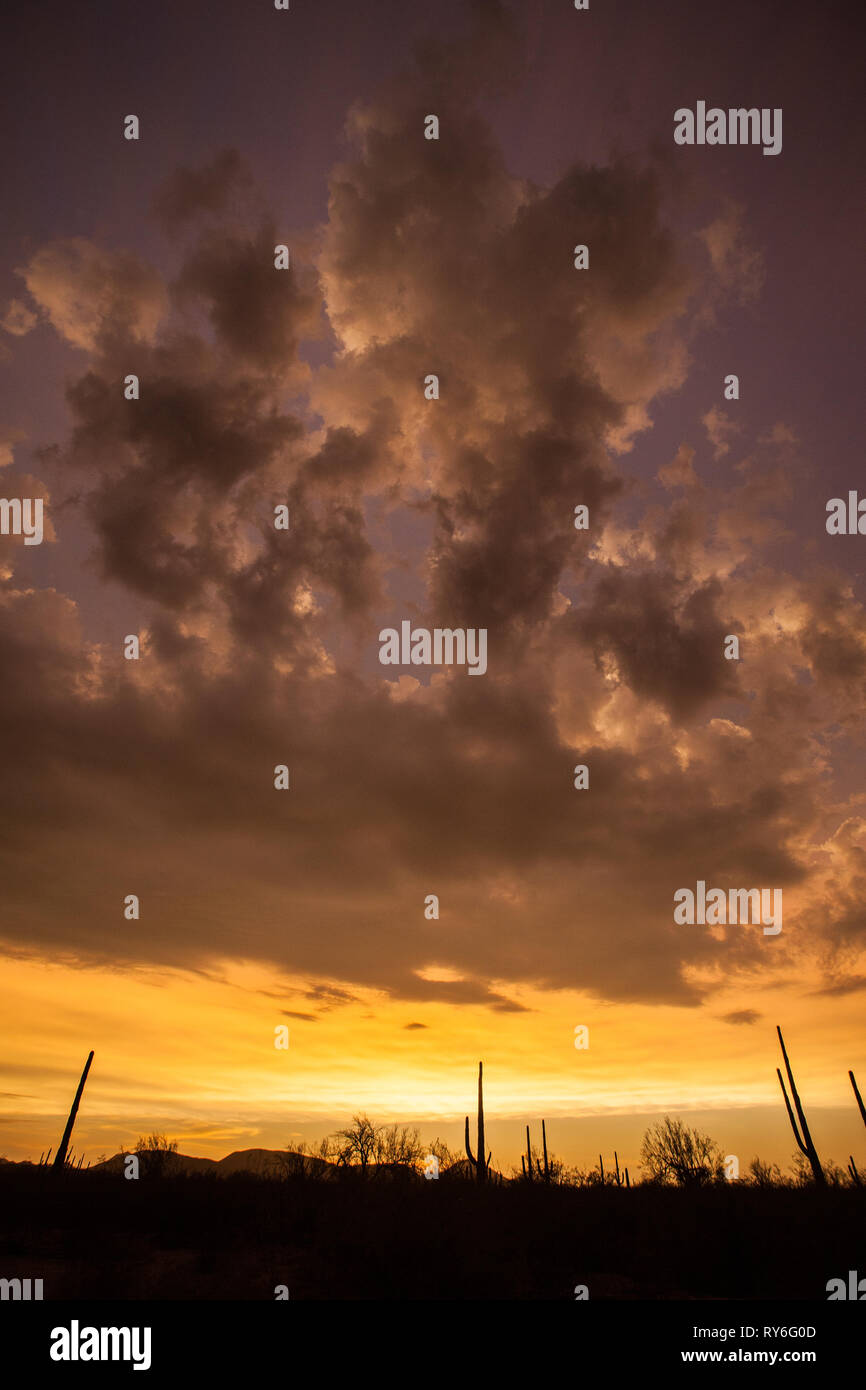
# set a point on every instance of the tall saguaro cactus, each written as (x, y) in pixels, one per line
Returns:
(480, 1164)
(60, 1156)
(805, 1143)
(859, 1097)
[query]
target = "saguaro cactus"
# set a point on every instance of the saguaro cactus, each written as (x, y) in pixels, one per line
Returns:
(859, 1097)
(480, 1164)
(617, 1175)
(526, 1159)
(60, 1156)
(805, 1143)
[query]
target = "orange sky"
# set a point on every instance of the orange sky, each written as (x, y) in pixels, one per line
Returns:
(208, 1046)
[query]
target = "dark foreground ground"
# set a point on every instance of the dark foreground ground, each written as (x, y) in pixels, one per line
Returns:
(98, 1236)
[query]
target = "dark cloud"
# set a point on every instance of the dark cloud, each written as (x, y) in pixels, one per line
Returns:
(259, 647)
(669, 645)
(189, 194)
(258, 313)
(329, 997)
(853, 985)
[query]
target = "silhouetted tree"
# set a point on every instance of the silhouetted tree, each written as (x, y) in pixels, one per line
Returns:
(155, 1154)
(293, 1163)
(357, 1144)
(396, 1145)
(765, 1174)
(674, 1153)
(447, 1157)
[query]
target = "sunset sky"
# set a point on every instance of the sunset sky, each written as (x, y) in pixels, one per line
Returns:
(259, 647)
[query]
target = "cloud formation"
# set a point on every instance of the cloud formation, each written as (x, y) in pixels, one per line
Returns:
(606, 645)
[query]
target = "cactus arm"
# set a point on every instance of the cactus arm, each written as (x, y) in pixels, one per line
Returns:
(795, 1096)
(800, 1143)
(810, 1151)
(469, 1154)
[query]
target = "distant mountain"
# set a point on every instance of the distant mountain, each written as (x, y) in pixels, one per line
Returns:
(268, 1163)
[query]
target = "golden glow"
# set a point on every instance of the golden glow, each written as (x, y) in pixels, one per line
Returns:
(193, 1055)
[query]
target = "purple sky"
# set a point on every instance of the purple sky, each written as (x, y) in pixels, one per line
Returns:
(205, 76)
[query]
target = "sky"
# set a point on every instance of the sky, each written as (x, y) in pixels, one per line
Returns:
(558, 387)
